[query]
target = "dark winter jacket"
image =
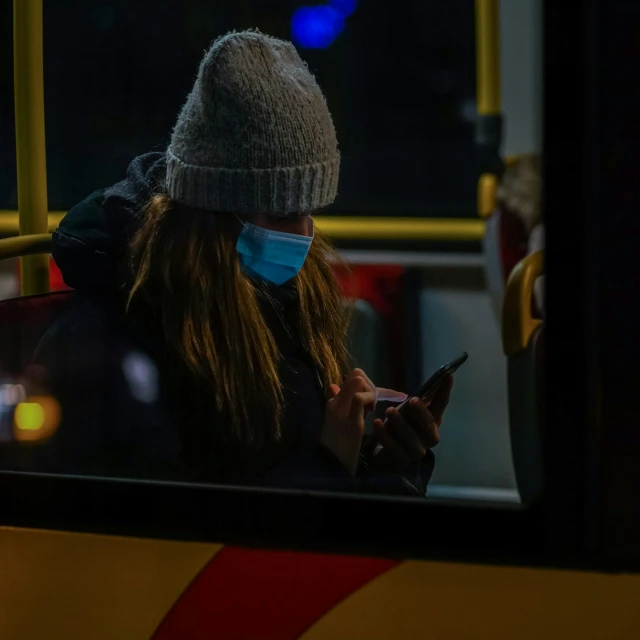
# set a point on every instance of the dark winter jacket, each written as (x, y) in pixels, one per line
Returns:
(125, 412)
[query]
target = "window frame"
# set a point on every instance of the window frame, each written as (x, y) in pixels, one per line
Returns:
(558, 530)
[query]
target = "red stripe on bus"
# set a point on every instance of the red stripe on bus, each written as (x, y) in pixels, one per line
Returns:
(246, 594)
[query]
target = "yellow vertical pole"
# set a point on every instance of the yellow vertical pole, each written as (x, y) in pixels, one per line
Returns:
(488, 56)
(30, 138)
(488, 131)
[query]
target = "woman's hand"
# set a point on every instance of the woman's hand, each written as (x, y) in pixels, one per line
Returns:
(344, 419)
(406, 439)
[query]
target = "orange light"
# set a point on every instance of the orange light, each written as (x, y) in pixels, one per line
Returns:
(36, 419)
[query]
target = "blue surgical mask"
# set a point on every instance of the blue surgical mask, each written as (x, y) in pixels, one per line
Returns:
(274, 256)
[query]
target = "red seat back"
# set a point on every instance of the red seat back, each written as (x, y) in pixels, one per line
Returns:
(23, 322)
(513, 241)
(56, 281)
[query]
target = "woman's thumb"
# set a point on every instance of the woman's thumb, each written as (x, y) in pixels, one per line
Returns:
(334, 390)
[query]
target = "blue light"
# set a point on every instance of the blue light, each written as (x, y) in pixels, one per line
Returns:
(316, 27)
(345, 7)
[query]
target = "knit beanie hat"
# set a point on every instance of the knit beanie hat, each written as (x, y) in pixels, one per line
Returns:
(255, 135)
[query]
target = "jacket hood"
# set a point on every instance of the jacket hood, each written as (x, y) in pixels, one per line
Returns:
(90, 243)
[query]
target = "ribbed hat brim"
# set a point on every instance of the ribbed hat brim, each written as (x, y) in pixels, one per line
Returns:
(280, 191)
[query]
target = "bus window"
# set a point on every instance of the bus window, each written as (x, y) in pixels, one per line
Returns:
(403, 106)
(121, 394)
(199, 330)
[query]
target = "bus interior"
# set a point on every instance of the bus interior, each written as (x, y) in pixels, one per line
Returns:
(418, 218)
(483, 144)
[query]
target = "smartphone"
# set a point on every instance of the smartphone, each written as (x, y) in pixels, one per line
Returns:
(425, 392)
(429, 388)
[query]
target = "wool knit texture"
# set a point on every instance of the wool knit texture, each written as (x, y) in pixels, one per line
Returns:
(255, 134)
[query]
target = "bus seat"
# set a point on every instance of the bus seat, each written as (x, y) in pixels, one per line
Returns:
(23, 322)
(56, 281)
(494, 272)
(504, 245)
(367, 342)
(380, 289)
(524, 345)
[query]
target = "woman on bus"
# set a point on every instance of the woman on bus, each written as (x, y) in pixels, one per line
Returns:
(205, 261)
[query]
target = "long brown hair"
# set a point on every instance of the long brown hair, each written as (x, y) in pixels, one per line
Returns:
(186, 268)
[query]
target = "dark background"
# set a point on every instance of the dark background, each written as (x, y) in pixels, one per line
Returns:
(400, 82)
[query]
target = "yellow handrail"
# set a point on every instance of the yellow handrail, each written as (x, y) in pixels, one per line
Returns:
(25, 246)
(9, 222)
(31, 158)
(518, 325)
(370, 228)
(488, 98)
(488, 57)
(346, 227)
(487, 194)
